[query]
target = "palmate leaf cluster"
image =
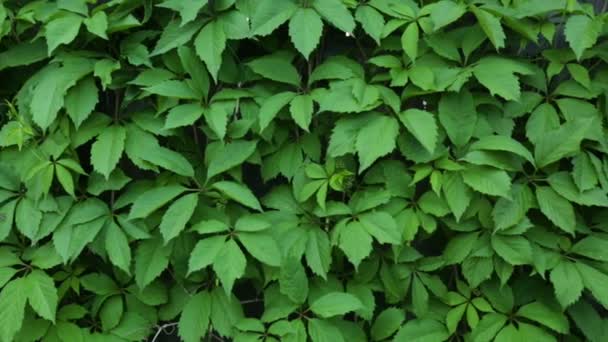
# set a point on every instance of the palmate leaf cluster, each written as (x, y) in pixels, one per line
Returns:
(303, 170)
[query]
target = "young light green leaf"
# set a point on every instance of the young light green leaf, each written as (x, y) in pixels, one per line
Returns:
(387, 323)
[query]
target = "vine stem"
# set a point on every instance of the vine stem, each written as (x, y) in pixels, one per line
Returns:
(163, 328)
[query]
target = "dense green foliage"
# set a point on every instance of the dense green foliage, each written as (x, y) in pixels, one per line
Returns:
(323, 170)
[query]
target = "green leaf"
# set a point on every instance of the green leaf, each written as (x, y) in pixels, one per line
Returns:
(336, 13)
(582, 33)
(226, 156)
(272, 106)
(301, 109)
(516, 250)
(502, 143)
(168, 159)
(491, 26)
(210, 44)
(174, 35)
(117, 246)
(153, 199)
(422, 125)
(293, 281)
(487, 180)
(562, 142)
(305, 29)
(409, 41)
(12, 308)
(229, 265)
(41, 294)
(276, 67)
(422, 330)
(457, 194)
(387, 323)
(268, 15)
(335, 304)
(318, 252)
(371, 21)
(80, 100)
(381, 226)
(111, 313)
(177, 216)
(184, 115)
(509, 212)
(556, 208)
(488, 327)
(194, 320)
(262, 246)
(205, 253)
(151, 259)
(323, 331)
(62, 30)
(594, 247)
(498, 75)
(24, 53)
(445, 12)
(107, 149)
(458, 115)
(188, 10)
(173, 88)
(97, 24)
(238, 193)
(567, 282)
(376, 139)
(594, 280)
(355, 242)
(539, 312)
